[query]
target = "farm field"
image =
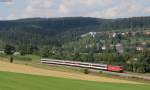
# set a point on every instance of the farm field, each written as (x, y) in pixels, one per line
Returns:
(5, 66)
(16, 81)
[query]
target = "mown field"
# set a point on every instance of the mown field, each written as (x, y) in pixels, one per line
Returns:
(15, 81)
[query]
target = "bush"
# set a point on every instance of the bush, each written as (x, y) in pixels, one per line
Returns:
(100, 72)
(86, 71)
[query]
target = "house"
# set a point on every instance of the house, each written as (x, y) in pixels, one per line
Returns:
(2, 52)
(84, 35)
(16, 53)
(92, 34)
(119, 48)
(147, 33)
(114, 35)
(123, 34)
(144, 44)
(103, 47)
(139, 48)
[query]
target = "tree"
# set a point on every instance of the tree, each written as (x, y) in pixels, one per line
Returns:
(23, 50)
(45, 52)
(141, 63)
(90, 57)
(27, 49)
(9, 50)
(77, 56)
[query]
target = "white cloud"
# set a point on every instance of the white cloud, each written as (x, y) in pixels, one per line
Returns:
(147, 10)
(93, 8)
(37, 8)
(8, 2)
(12, 16)
(51, 8)
(97, 2)
(122, 9)
(102, 8)
(63, 9)
(1, 18)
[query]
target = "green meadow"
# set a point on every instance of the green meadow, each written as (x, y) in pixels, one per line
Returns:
(15, 81)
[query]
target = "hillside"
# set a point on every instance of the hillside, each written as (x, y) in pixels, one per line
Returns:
(123, 41)
(57, 31)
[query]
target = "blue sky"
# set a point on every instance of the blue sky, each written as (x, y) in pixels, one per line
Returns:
(15, 9)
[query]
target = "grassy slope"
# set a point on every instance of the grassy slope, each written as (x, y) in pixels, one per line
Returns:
(36, 63)
(14, 81)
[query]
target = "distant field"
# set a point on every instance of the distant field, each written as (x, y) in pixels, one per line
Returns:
(14, 81)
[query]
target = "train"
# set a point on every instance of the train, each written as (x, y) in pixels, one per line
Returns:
(105, 67)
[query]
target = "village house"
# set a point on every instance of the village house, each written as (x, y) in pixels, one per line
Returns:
(119, 48)
(147, 33)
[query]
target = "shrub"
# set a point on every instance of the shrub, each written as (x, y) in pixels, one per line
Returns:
(86, 71)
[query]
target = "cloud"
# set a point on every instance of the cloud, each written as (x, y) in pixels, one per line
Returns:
(97, 2)
(63, 9)
(12, 16)
(1, 17)
(83, 7)
(8, 2)
(37, 8)
(128, 8)
(147, 10)
(92, 8)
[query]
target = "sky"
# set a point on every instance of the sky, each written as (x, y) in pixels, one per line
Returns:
(16, 9)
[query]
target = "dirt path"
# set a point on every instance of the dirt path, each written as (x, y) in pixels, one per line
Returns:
(5, 66)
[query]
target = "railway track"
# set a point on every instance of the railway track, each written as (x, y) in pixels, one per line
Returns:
(128, 75)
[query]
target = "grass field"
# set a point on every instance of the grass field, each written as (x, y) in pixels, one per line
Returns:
(10, 67)
(15, 81)
(35, 67)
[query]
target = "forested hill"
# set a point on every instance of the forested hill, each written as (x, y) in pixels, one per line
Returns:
(55, 31)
